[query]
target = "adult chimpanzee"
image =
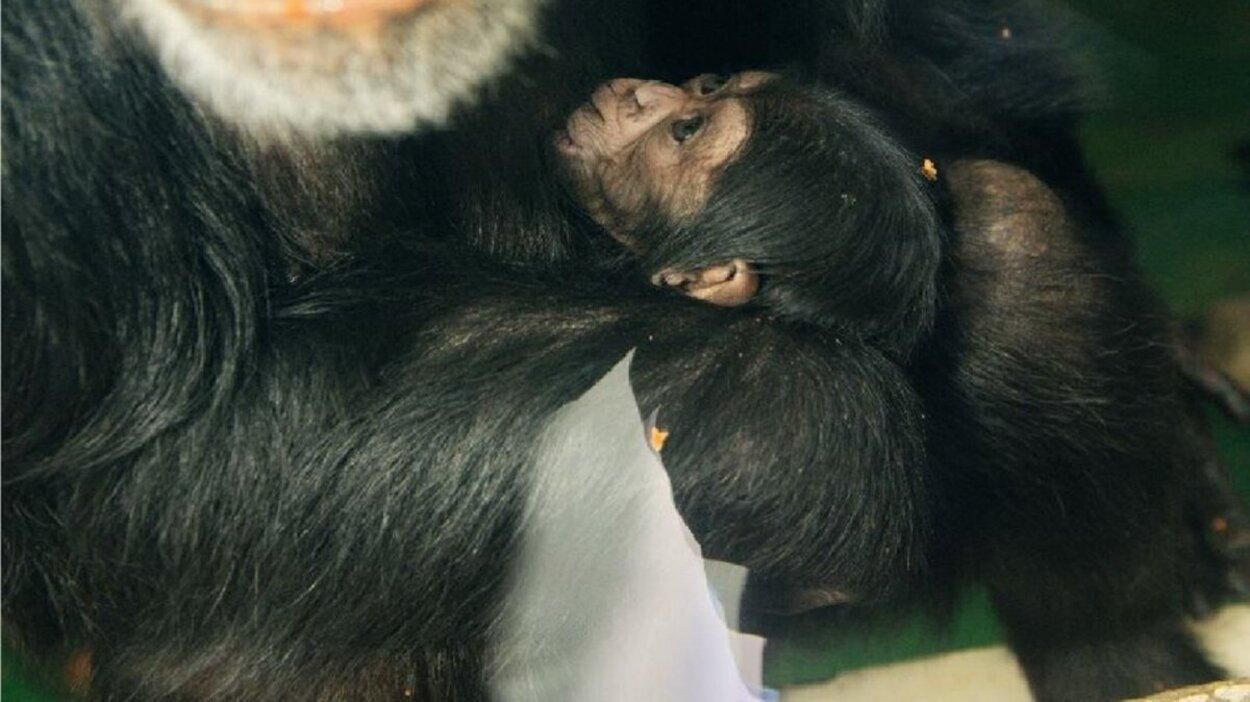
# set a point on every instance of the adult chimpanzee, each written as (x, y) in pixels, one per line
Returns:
(1050, 371)
(264, 437)
(270, 395)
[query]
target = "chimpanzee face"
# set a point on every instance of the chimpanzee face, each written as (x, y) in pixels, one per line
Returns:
(759, 189)
(640, 145)
(322, 68)
(644, 143)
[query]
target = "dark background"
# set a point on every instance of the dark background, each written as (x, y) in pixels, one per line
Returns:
(1178, 102)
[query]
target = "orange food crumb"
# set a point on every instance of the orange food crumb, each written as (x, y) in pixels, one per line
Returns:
(928, 169)
(78, 671)
(1219, 525)
(657, 439)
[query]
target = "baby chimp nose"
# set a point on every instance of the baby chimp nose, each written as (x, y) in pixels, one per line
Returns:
(617, 94)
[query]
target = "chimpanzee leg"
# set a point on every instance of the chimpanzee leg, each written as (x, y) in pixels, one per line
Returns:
(824, 511)
(1096, 631)
(1073, 428)
(1144, 660)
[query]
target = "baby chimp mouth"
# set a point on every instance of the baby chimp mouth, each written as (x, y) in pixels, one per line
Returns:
(564, 142)
(572, 139)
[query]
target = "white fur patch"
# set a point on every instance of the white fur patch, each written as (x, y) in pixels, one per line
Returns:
(325, 83)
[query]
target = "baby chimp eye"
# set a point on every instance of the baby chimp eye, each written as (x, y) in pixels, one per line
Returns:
(683, 129)
(710, 82)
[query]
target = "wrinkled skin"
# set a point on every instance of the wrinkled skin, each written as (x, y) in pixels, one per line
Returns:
(643, 144)
(642, 141)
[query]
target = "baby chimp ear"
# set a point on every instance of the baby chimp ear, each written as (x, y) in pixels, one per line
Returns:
(728, 284)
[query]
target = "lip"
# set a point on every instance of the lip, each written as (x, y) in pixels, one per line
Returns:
(565, 143)
(297, 12)
(570, 140)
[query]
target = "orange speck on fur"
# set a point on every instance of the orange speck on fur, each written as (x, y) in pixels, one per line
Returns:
(657, 439)
(928, 169)
(78, 671)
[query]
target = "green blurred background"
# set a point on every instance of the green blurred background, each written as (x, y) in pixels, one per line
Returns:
(1180, 79)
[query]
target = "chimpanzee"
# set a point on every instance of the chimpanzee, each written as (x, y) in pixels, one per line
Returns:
(274, 365)
(1050, 371)
(269, 395)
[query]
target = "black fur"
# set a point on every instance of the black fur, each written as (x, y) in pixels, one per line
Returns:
(831, 212)
(1068, 471)
(268, 408)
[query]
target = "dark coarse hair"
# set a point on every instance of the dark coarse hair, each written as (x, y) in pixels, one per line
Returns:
(832, 211)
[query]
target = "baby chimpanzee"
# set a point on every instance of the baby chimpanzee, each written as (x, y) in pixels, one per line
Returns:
(1068, 469)
(723, 184)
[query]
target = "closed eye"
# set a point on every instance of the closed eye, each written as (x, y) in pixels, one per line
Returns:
(683, 129)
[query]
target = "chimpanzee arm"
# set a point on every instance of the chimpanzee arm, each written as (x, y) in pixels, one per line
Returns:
(347, 525)
(796, 452)
(1000, 79)
(1064, 390)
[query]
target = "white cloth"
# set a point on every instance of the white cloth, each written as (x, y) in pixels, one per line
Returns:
(610, 600)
